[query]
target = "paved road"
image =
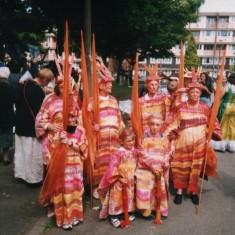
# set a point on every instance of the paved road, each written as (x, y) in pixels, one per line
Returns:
(21, 214)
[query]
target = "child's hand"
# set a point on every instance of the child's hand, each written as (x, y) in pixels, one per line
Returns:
(123, 181)
(56, 127)
(157, 172)
(97, 127)
(63, 137)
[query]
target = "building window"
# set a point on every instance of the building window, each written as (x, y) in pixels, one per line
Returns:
(223, 19)
(208, 33)
(233, 33)
(164, 61)
(232, 61)
(177, 60)
(233, 18)
(231, 47)
(199, 46)
(223, 33)
(153, 61)
(195, 33)
(210, 19)
(206, 61)
(220, 47)
(208, 47)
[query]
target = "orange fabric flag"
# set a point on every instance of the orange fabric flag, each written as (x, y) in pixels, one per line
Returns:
(216, 104)
(136, 121)
(89, 164)
(181, 71)
(211, 159)
(95, 86)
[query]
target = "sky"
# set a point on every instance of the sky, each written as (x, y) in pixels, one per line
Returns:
(218, 6)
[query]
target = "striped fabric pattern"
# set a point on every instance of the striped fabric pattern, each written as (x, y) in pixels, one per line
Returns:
(151, 159)
(111, 124)
(122, 165)
(159, 104)
(69, 206)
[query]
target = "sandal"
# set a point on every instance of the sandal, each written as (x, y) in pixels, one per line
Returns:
(131, 216)
(115, 222)
(75, 222)
(67, 226)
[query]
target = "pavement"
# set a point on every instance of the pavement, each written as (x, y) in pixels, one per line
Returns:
(21, 214)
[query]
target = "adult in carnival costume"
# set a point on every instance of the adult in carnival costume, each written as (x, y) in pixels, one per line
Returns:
(153, 102)
(107, 123)
(187, 125)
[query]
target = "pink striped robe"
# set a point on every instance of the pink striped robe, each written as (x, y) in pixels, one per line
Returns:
(155, 149)
(122, 165)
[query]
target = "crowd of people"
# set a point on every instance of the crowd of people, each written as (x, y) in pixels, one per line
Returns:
(129, 177)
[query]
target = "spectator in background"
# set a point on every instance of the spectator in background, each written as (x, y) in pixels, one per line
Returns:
(7, 114)
(28, 154)
(24, 63)
(207, 89)
(15, 69)
(126, 71)
(2, 58)
(226, 116)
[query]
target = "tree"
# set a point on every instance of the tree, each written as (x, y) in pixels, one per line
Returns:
(20, 24)
(191, 58)
(153, 26)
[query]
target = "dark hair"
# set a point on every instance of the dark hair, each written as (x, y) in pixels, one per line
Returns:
(231, 78)
(204, 74)
(57, 90)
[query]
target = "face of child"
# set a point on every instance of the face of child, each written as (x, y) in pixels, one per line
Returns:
(72, 119)
(155, 126)
(129, 142)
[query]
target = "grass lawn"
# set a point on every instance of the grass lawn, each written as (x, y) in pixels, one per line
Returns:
(122, 92)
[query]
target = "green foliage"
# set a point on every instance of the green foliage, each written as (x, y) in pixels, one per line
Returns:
(51, 223)
(151, 26)
(191, 58)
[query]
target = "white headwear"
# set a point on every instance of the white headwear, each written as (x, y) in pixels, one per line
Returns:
(4, 72)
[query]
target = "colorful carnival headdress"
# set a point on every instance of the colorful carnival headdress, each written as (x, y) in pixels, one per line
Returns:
(152, 73)
(103, 73)
(60, 66)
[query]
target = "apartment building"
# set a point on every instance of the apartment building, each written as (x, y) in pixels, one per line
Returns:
(214, 29)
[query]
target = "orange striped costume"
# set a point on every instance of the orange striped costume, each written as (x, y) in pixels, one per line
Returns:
(159, 104)
(111, 124)
(188, 126)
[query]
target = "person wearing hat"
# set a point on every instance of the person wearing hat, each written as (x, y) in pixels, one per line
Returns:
(187, 127)
(7, 116)
(153, 102)
(109, 126)
(28, 152)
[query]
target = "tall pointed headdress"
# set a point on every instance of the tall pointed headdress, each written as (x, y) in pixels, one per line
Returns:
(152, 73)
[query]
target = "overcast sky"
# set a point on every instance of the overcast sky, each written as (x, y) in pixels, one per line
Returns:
(218, 6)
